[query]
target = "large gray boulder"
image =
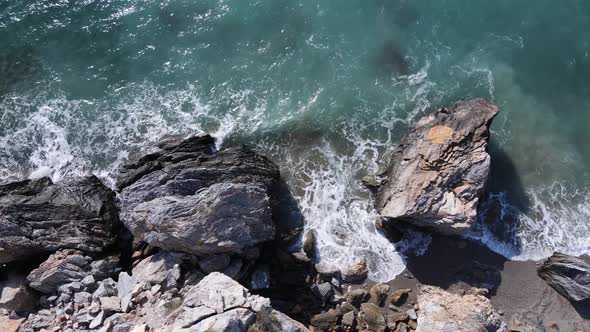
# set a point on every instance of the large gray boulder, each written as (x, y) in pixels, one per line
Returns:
(446, 312)
(188, 197)
(438, 172)
(568, 275)
(39, 216)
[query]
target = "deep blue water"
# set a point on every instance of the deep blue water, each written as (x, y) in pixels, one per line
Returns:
(324, 88)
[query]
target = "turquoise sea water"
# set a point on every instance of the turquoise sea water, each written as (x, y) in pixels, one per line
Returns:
(324, 88)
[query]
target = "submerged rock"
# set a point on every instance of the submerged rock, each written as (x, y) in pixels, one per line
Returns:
(438, 172)
(446, 312)
(356, 273)
(39, 216)
(569, 276)
(188, 197)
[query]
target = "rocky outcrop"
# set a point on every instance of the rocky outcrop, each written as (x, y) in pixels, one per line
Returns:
(189, 197)
(39, 216)
(446, 312)
(438, 172)
(569, 276)
(68, 266)
(218, 303)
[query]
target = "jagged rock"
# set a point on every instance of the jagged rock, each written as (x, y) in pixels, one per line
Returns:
(357, 296)
(110, 304)
(269, 319)
(38, 216)
(446, 312)
(97, 321)
(8, 324)
(356, 273)
(402, 327)
(63, 267)
(326, 320)
(218, 303)
(162, 268)
(438, 172)
(82, 297)
(349, 320)
(15, 295)
(107, 287)
(379, 294)
(189, 197)
(214, 263)
(400, 296)
(393, 319)
(568, 275)
(323, 291)
(371, 318)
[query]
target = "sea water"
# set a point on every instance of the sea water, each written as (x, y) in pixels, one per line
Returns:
(324, 88)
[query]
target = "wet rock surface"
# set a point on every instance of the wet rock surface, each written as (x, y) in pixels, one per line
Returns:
(438, 172)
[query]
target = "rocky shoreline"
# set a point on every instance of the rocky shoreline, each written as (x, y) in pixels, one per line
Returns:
(195, 239)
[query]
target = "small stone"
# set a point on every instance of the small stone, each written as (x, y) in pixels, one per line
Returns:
(82, 297)
(106, 287)
(301, 257)
(97, 321)
(64, 298)
(357, 296)
(336, 283)
(379, 294)
(309, 244)
(412, 314)
(70, 288)
(327, 271)
(400, 296)
(349, 320)
(372, 317)
(356, 273)
(110, 304)
(88, 281)
(326, 320)
(402, 327)
(69, 309)
(394, 308)
(412, 324)
(323, 291)
(346, 307)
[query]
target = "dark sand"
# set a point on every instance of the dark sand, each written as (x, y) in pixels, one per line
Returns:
(518, 293)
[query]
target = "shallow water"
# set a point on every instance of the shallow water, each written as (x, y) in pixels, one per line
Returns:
(324, 88)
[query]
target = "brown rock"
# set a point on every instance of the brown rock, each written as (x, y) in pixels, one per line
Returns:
(357, 296)
(400, 296)
(309, 244)
(379, 294)
(412, 324)
(326, 320)
(439, 170)
(356, 273)
(372, 319)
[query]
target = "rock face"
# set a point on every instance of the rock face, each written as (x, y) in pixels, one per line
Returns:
(569, 276)
(39, 216)
(445, 312)
(438, 172)
(189, 197)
